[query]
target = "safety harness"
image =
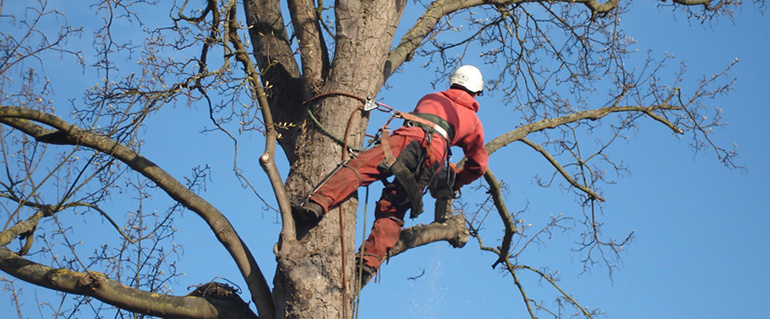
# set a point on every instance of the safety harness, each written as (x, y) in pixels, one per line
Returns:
(431, 124)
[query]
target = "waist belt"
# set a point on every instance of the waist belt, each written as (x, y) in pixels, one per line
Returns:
(431, 123)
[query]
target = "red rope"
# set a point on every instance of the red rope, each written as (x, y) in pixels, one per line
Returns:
(342, 221)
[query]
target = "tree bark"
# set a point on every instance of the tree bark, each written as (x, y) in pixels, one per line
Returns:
(310, 280)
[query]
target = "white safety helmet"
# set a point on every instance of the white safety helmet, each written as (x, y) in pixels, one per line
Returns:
(469, 77)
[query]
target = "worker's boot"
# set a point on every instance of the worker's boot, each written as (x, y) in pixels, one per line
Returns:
(310, 212)
(306, 217)
(364, 273)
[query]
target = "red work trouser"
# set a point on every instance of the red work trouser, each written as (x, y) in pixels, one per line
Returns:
(389, 214)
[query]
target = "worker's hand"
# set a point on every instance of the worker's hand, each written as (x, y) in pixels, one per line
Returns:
(455, 185)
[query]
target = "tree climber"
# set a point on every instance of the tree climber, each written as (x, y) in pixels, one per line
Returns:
(413, 154)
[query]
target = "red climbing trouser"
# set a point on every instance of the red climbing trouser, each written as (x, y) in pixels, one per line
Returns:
(392, 206)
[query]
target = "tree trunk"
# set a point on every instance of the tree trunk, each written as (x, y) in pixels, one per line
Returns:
(310, 280)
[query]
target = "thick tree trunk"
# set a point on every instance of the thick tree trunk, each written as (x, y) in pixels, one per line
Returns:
(311, 281)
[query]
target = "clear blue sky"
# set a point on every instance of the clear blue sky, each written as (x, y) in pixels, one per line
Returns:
(701, 248)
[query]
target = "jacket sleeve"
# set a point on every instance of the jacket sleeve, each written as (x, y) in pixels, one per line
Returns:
(476, 158)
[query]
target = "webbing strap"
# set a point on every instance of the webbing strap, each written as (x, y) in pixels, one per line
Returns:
(431, 123)
(439, 122)
(389, 158)
(401, 174)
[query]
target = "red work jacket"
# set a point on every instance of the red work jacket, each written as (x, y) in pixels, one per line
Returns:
(458, 108)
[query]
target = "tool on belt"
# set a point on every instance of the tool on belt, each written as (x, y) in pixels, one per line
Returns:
(431, 124)
(442, 188)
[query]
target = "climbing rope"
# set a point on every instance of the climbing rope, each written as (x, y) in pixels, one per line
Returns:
(360, 269)
(368, 105)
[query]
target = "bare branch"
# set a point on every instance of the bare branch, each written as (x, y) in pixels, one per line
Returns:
(453, 230)
(495, 190)
(49, 210)
(440, 9)
(97, 285)
(705, 3)
(560, 169)
(595, 114)
(553, 283)
(275, 60)
(68, 134)
(20, 228)
(267, 160)
(313, 51)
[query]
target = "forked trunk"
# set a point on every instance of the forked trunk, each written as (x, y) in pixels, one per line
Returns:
(315, 275)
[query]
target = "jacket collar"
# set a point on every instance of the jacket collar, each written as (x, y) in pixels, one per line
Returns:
(463, 98)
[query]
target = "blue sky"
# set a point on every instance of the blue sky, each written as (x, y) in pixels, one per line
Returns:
(700, 248)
